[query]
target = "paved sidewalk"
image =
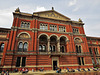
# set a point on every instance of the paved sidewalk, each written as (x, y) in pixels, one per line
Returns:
(51, 72)
(35, 73)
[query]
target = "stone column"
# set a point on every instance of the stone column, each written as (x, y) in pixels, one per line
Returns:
(21, 61)
(48, 45)
(58, 45)
(38, 44)
(66, 44)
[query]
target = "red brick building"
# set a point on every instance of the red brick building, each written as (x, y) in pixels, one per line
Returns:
(46, 39)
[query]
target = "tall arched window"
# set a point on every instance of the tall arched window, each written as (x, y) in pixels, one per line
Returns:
(28, 25)
(97, 51)
(22, 25)
(90, 50)
(43, 27)
(79, 49)
(25, 25)
(44, 48)
(40, 47)
(53, 49)
(76, 49)
(62, 48)
(20, 46)
(50, 48)
(25, 46)
(2, 47)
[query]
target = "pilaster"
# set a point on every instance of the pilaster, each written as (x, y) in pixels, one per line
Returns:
(13, 41)
(48, 45)
(10, 40)
(21, 62)
(58, 45)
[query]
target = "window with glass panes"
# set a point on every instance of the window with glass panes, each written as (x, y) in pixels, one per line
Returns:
(80, 60)
(43, 26)
(25, 24)
(53, 27)
(75, 30)
(62, 29)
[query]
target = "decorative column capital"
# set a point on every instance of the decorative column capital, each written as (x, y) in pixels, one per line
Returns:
(58, 41)
(67, 41)
(48, 40)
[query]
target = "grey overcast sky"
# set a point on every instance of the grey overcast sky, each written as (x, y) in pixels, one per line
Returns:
(87, 10)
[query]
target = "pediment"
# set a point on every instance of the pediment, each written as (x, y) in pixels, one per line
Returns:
(51, 14)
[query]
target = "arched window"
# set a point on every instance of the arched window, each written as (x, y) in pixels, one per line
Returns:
(97, 51)
(25, 46)
(53, 49)
(20, 46)
(79, 49)
(43, 27)
(2, 47)
(50, 48)
(46, 27)
(76, 49)
(28, 25)
(62, 48)
(90, 50)
(40, 26)
(22, 25)
(40, 47)
(25, 25)
(94, 50)
(44, 48)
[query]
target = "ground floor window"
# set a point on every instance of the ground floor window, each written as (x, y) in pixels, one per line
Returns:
(21, 61)
(93, 61)
(18, 62)
(80, 60)
(97, 61)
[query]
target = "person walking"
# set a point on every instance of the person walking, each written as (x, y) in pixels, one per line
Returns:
(7, 73)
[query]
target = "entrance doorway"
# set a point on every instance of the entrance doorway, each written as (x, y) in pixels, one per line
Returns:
(54, 64)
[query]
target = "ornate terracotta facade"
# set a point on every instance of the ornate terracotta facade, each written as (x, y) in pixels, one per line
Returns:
(45, 39)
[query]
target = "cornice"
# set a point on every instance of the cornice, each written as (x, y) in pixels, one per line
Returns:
(31, 17)
(55, 31)
(79, 35)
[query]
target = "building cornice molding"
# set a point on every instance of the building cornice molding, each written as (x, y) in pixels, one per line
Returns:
(31, 16)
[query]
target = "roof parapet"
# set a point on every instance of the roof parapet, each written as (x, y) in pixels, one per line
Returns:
(80, 20)
(17, 10)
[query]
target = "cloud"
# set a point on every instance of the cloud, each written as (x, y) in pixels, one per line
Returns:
(40, 9)
(75, 9)
(73, 2)
(6, 17)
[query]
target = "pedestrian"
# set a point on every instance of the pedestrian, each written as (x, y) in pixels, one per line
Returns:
(7, 73)
(2, 73)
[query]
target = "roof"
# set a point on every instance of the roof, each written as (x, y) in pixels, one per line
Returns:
(51, 11)
(5, 29)
(50, 14)
(92, 37)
